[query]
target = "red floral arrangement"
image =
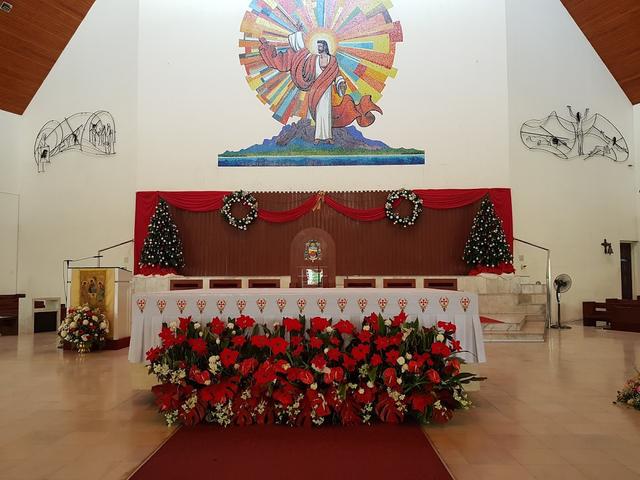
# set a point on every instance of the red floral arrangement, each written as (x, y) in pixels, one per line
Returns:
(239, 372)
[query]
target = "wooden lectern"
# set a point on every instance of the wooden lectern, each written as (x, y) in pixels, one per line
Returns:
(109, 289)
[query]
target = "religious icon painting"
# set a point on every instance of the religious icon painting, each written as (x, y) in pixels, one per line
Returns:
(312, 251)
(320, 67)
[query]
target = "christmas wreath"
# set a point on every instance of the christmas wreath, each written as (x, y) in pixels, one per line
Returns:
(245, 199)
(394, 216)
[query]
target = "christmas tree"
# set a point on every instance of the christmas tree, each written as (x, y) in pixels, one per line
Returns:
(487, 244)
(162, 247)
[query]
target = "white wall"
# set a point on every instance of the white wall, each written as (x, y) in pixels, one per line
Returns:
(449, 97)
(568, 206)
(469, 73)
(10, 125)
(81, 203)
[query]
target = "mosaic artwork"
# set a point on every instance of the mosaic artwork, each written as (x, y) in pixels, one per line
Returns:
(321, 68)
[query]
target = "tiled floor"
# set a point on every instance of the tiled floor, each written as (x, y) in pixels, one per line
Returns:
(545, 412)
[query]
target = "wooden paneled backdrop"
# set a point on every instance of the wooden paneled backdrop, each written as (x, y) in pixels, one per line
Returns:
(433, 246)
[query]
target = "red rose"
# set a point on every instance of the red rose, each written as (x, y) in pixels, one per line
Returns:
(238, 340)
(348, 363)
(245, 321)
(154, 353)
(199, 376)
(334, 354)
(396, 339)
(389, 377)
(184, 323)
(334, 375)
(292, 324)
(392, 357)
(334, 341)
(305, 376)
(247, 366)
(265, 374)
(382, 343)
(372, 321)
(228, 357)
(360, 352)
(399, 319)
(315, 342)
(278, 345)
(433, 376)
(319, 362)
(259, 341)
(318, 324)
(364, 336)
(345, 327)
(295, 341)
(376, 360)
(439, 348)
(420, 401)
(447, 326)
(198, 345)
(216, 326)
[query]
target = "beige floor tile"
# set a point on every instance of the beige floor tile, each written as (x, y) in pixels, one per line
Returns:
(545, 412)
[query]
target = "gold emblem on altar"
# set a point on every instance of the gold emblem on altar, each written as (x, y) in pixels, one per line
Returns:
(312, 251)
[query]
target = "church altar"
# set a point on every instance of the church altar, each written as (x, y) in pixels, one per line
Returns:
(430, 306)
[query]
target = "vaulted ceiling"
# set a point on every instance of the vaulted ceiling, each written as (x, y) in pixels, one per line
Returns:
(613, 28)
(32, 37)
(35, 32)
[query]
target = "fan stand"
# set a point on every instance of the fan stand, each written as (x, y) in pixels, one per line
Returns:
(559, 325)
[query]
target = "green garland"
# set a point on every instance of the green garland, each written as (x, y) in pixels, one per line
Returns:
(246, 199)
(395, 218)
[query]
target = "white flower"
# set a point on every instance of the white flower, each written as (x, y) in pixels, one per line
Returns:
(214, 363)
(94, 318)
(196, 325)
(409, 356)
(314, 386)
(370, 384)
(400, 360)
(86, 309)
(399, 381)
(103, 325)
(76, 317)
(387, 323)
(361, 391)
(85, 337)
(366, 328)
(230, 326)
(326, 350)
(440, 337)
(217, 341)
(201, 334)
(73, 325)
(63, 334)
(405, 367)
(329, 329)
(85, 322)
(173, 326)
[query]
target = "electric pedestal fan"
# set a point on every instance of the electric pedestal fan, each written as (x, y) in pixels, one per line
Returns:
(562, 284)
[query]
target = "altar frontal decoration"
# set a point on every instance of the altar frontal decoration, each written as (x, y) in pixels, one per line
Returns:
(308, 373)
(394, 199)
(162, 249)
(314, 204)
(84, 328)
(487, 244)
(246, 200)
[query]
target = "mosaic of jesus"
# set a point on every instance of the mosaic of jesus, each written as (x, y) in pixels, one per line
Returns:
(321, 68)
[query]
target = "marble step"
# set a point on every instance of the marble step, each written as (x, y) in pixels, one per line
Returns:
(531, 331)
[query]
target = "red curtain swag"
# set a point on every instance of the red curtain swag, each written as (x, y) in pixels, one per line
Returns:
(211, 201)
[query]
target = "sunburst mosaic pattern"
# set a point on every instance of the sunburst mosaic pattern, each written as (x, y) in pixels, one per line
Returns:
(360, 33)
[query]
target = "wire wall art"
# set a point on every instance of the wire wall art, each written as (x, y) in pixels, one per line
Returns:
(581, 136)
(90, 133)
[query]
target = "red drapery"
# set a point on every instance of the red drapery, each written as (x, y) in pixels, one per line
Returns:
(210, 201)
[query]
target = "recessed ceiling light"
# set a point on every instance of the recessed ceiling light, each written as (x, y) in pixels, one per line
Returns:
(6, 7)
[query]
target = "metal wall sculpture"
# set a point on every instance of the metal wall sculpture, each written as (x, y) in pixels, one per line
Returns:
(90, 133)
(580, 136)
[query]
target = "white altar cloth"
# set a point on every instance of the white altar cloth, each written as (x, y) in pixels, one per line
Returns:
(270, 305)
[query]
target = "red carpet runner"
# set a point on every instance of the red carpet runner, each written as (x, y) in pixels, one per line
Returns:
(282, 453)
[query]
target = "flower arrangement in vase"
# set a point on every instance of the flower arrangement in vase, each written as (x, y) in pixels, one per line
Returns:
(630, 393)
(84, 328)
